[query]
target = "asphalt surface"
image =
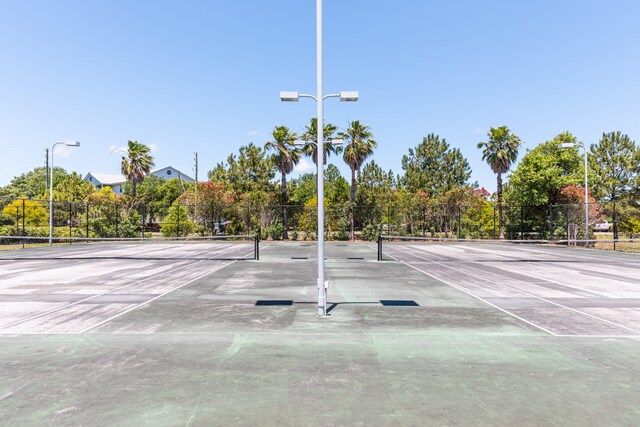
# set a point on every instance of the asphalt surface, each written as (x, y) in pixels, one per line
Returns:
(439, 336)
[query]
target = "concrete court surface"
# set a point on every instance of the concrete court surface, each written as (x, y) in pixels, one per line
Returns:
(454, 335)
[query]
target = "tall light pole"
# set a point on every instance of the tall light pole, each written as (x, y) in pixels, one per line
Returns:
(68, 144)
(319, 98)
(586, 183)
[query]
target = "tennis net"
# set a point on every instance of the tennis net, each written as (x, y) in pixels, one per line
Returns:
(485, 250)
(232, 247)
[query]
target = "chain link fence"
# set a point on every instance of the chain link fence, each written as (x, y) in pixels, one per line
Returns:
(607, 220)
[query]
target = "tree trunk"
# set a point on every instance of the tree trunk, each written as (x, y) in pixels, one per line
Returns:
(500, 217)
(134, 186)
(283, 205)
(352, 199)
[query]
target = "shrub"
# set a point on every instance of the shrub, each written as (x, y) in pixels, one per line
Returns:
(371, 232)
(275, 231)
(343, 229)
(176, 223)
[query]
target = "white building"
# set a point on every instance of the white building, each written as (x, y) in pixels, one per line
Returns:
(116, 182)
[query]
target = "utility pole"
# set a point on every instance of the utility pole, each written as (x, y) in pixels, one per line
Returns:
(46, 166)
(195, 159)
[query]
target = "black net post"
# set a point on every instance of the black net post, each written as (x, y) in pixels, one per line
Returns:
(459, 222)
(380, 248)
(256, 252)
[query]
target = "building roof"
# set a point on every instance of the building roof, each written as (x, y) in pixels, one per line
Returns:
(108, 179)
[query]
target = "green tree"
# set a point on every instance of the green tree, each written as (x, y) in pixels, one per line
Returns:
(311, 136)
(285, 157)
(250, 171)
(376, 192)
(336, 187)
(500, 152)
(359, 146)
(136, 164)
(177, 222)
(303, 188)
(615, 163)
(543, 172)
(434, 167)
(72, 188)
(32, 184)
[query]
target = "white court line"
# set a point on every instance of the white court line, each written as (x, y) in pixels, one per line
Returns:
(476, 297)
(527, 293)
(600, 336)
(152, 299)
(162, 273)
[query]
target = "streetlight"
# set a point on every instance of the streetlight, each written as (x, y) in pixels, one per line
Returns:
(347, 96)
(586, 184)
(68, 144)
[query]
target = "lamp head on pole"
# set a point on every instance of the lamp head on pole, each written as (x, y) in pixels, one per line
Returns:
(69, 143)
(567, 145)
(288, 96)
(349, 95)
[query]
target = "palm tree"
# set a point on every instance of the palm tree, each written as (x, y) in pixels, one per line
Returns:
(359, 146)
(136, 164)
(500, 152)
(286, 156)
(311, 135)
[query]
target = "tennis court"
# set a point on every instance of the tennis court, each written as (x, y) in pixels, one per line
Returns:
(435, 334)
(563, 291)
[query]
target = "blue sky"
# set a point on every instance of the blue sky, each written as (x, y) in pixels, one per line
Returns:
(204, 76)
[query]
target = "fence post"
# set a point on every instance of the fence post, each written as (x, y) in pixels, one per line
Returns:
(69, 220)
(494, 222)
(388, 220)
(566, 208)
(459, 222)
(17, 221)
(213, 229)
(521, 222)
(615, 225)
(87, 220)
(144, 216)
(550, 223)
(23, 220)
(178, 225)
(115, 206)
